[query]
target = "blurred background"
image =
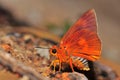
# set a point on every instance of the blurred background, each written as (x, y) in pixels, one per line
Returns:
(57, 16)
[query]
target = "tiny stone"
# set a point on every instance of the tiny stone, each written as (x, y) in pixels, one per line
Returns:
(24, 78)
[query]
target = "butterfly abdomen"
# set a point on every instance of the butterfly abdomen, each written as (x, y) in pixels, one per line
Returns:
(81, 63)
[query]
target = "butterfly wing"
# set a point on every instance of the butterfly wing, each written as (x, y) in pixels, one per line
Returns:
(81, 39)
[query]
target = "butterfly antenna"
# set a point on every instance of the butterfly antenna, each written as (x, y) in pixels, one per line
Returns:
(41, 48)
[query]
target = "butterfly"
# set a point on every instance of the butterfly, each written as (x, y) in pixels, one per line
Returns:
(80, 44)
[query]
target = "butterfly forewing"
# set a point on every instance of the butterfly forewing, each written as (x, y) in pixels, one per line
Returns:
(81, 39)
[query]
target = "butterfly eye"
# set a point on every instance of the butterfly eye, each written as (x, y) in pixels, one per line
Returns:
(65, 47)
(54, 51)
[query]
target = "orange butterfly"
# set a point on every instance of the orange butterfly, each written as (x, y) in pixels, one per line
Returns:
(80, 44)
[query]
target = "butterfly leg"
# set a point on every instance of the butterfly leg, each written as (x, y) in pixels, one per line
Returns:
(54, 64)
(71, 65)
(59, 65)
